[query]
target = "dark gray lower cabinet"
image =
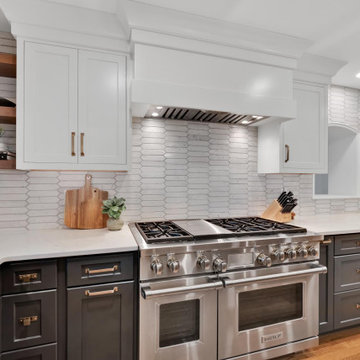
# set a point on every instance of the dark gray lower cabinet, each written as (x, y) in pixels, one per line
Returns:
(47, 352)
(347, 305)
(28, 319)
(326, 287)
(101, 322)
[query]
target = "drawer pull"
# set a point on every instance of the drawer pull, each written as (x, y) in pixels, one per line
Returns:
(26, 321)
(357, 243)
(26, 278)
(358, 306)
(328, 241)
(358, 270)
(101, 293)
(88, 271)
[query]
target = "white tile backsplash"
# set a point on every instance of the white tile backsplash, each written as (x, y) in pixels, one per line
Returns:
(179, 170)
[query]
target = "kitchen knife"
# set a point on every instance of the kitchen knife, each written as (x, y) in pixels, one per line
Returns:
(281, 197)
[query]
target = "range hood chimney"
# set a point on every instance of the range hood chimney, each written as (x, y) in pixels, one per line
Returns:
(180, 85)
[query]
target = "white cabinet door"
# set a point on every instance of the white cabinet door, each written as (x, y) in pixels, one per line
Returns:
(49, 121)
(103, 117)
(304, 140)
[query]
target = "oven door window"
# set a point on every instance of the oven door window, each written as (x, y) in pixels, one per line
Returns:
(179, 322)
(269, 306)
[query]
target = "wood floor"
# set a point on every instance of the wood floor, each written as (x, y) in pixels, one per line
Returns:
(342, 345)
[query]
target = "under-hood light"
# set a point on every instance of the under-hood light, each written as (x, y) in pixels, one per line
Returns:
(159, 107)
(155, 114)
(257, 117)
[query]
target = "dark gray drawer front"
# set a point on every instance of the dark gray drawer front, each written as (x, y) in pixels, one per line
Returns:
(347, 309)
(28, 320)
(347, 244)
(99, 269)
(347, 273)
(47, 352)
(29, 276)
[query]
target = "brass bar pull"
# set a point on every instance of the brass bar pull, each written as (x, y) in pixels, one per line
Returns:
(26, 321)
(358, 270)
(101, 293)
(73, 144)
(287, 149)
(88, 271)
(82, 135)
(357, 243)
(357, 306)
(26, 278)
(326, 242)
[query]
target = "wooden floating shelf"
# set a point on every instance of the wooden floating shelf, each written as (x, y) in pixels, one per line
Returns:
(7, 115)
(7, 164)
(8, 65)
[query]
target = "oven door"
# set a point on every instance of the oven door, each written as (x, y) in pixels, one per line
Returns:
(264, 308)
(178, 319)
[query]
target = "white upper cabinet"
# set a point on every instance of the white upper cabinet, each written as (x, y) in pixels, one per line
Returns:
(299, 145)
(102, 109)
(72, 109)
(305, 139)
(50, 104)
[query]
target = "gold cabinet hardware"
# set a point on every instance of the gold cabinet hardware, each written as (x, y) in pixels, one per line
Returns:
(327, 241)
(287, 156)
(26, 321)
(357, 243)
(358, 270)
(26, 278)
(73, 144)
(101, 293)
(357, 306)
(88, 271)
(82, 135)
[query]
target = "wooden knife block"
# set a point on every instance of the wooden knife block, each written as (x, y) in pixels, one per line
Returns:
(273, 212)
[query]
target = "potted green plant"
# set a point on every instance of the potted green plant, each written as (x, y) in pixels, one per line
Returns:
(113, 208)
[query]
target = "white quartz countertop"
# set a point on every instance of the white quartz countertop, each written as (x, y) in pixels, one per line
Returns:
(18, 245)
(334, 224)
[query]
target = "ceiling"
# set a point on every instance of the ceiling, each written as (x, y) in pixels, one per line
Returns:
(332, 25)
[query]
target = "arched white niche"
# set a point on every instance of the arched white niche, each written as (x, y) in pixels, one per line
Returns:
(343, 177)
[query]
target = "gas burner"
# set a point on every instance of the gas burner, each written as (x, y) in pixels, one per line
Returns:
(255, 226)
(162, 231)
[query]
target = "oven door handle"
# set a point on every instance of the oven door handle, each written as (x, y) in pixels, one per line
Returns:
(148, 293)
(314, 269)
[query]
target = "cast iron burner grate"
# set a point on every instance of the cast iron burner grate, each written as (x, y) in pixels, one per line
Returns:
(162, 231)
(255, 226)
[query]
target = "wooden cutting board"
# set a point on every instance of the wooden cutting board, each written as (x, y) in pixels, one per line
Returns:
(83, 207)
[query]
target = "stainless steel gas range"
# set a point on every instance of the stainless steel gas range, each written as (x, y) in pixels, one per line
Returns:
(235, 288)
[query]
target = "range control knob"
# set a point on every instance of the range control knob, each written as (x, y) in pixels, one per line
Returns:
(302, 252)
(219, 265)
(264, 260)
(173, 265)
(278, 255)
(203, 262)
(290, 254)
(312, 251)
(156, 266)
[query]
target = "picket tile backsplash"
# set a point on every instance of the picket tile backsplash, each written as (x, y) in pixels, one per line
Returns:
(179, 170)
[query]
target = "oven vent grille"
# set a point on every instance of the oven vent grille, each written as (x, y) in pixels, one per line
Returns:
(176, 113)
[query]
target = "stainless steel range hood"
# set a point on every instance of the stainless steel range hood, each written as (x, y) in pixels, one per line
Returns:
(178, 113)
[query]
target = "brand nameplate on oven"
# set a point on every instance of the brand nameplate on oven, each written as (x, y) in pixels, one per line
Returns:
(272, 337)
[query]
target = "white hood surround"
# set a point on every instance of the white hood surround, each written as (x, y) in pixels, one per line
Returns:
(187, 61)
